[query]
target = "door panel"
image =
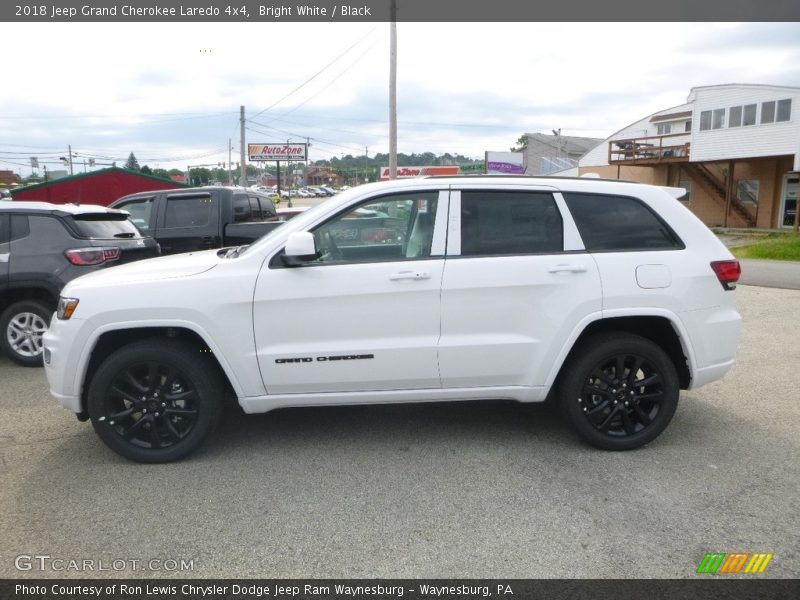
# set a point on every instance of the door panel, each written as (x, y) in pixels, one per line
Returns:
(365, 316)
(511, 295)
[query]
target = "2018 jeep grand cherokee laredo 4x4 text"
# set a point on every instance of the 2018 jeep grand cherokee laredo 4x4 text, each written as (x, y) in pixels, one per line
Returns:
(611, 294)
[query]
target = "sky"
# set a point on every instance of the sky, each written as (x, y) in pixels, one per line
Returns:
(171, 92)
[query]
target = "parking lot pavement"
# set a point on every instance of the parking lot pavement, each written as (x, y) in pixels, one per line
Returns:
(467, 490)
(771, 273)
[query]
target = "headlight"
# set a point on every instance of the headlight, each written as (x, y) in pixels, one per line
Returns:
(66, 306)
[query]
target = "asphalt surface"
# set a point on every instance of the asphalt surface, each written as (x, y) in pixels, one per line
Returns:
(464, 490)
(771, 273)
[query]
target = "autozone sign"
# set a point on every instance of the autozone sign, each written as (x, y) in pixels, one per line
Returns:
(276, 151)
(403, 172)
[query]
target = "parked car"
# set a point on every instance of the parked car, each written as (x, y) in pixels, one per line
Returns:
(42, 247)
(609, 297)
(193, 219)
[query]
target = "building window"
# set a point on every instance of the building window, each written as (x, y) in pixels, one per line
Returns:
(687, 127)
(749, 114)
(768, 112)
(705, 120)
(687, 185)
(784, 110)
(663, 128)
(718, 118)
(735, 116)
(748, 190)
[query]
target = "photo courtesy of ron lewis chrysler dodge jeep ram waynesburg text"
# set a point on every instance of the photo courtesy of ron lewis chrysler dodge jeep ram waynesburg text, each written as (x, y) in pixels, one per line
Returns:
(610, 294)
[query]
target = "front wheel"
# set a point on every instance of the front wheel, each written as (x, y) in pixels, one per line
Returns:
(619, 391)
(155, 400)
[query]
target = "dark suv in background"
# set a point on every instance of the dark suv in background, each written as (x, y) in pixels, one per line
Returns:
(42, 247)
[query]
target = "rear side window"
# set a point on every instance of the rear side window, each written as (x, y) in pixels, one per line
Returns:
(103, 226)
(619, 223)
(189, 211)
(502, 223)
(20, 228)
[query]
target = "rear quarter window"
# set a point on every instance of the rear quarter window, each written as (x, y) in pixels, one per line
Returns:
(609, 223)
(103, 226)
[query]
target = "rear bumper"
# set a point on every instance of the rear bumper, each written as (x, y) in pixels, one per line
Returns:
(706, 375)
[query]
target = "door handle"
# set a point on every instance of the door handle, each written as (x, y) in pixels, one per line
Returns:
(568, 268)
(410, 275)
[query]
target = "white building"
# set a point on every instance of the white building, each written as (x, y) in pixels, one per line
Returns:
(734, 147)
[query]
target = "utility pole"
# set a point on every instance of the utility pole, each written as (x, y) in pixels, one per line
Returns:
(243, 173)
(69, 150)
(393, 90)
(366, 162)
(230, 164)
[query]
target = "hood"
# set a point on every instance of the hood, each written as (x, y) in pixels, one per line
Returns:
(152, 269)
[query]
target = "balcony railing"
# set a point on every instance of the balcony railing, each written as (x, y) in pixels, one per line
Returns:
(650, 149)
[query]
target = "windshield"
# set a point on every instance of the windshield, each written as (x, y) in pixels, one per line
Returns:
(104, 226)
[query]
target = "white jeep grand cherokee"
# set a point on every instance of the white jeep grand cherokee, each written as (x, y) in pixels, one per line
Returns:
(610, 294)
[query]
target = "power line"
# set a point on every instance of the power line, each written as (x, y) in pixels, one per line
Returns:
(315, 75)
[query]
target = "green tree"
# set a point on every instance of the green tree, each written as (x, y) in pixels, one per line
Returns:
(132, 164)
(174, 172)
(146, 170)
(522, 143)
(163, 173)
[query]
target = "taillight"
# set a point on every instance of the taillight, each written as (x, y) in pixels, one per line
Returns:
(728, 272)
(92, 256)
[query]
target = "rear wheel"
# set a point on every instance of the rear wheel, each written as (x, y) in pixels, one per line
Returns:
(22, 325)
(155, 400)
(619, 391)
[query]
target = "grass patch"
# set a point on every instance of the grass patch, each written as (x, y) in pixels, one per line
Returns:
(773, 246)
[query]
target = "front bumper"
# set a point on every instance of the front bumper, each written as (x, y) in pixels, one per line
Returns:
(62, 343)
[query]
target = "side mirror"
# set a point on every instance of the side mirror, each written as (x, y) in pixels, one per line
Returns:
(300, 248)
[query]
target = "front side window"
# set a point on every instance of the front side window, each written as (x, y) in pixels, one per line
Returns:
(398, 227)
(618, 224)
(140, 212)
(507, 223)
(188, 211)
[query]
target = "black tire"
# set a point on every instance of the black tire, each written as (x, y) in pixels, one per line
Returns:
(155, 400)
(618, 391)
(21, 328)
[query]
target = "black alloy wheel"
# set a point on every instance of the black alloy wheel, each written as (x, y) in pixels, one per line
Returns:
(155, 400)
(620, 391)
